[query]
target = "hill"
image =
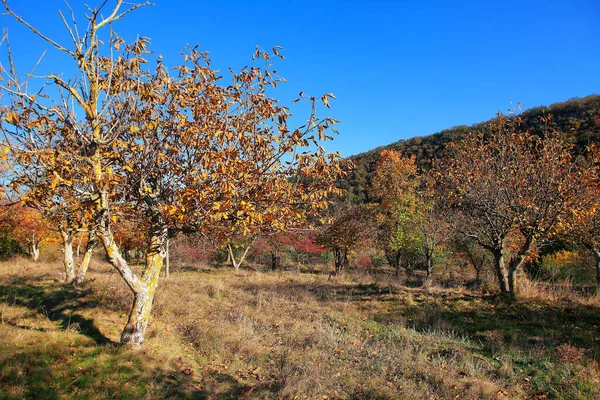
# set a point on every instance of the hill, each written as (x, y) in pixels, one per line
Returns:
(577, 118)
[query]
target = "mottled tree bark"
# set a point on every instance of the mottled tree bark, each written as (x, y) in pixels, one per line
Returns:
(500, 270)
(597, 256)
(167, 259)
(137, 323)
(87, 258)
(516, 262)
(68, 261)
(429, 265)
(236, 264)
(134, 331)
(35, 252)
(340, 258)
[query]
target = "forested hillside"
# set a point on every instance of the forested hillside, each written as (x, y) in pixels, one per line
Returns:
(579, 119)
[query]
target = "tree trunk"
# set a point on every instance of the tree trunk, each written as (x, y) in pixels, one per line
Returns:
(337, 261)
(596, 253)
(340, 257)
(346, 264)
(167, 259)
(512, 280)
(135, 330)
(35, 252)
(478, 265)
(273, 261)
(597, 256)
(117, 261)
(87, 258)
(236, 264)
(143, 288)
(516, 262)
(501, 273)
(68, 261)
(429, 264)
(478, 269)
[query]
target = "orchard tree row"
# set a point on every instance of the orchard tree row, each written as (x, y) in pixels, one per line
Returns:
(502, 191)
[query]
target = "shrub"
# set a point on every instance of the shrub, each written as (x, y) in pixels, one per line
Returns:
(8, 246)
(563, 265)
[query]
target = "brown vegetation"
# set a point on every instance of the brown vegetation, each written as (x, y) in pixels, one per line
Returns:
(214, 334)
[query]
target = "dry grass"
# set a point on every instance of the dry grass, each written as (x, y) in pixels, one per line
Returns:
(288, 335)
(563, 291)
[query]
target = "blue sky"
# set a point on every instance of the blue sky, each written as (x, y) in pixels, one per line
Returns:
(398, 68)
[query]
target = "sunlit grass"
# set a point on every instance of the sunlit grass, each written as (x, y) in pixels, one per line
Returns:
(283, 335)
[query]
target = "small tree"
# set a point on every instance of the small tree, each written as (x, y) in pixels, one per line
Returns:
(395, 184)
(411, 215)
(237, 250)
(351, 228)
(301, 244)
(431, 222)
(467, 248)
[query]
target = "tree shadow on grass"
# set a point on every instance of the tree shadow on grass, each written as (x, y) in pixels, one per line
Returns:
(325, 292)
(224, 386)
(57, 303)
(61, 371)
(529, 324)
(26, 373)
(495, 321)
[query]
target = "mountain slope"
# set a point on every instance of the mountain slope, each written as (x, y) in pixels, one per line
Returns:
(579, 119)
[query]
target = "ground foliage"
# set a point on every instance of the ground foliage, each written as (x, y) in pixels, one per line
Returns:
(290, 335)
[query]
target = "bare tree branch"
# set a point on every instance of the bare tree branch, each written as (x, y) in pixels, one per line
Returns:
(35, 31)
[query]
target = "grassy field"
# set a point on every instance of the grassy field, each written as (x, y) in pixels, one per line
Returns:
(290, 335)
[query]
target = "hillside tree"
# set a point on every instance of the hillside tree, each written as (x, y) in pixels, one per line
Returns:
(395, 184)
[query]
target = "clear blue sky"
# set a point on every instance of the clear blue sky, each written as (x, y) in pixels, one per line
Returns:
(398, 68)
